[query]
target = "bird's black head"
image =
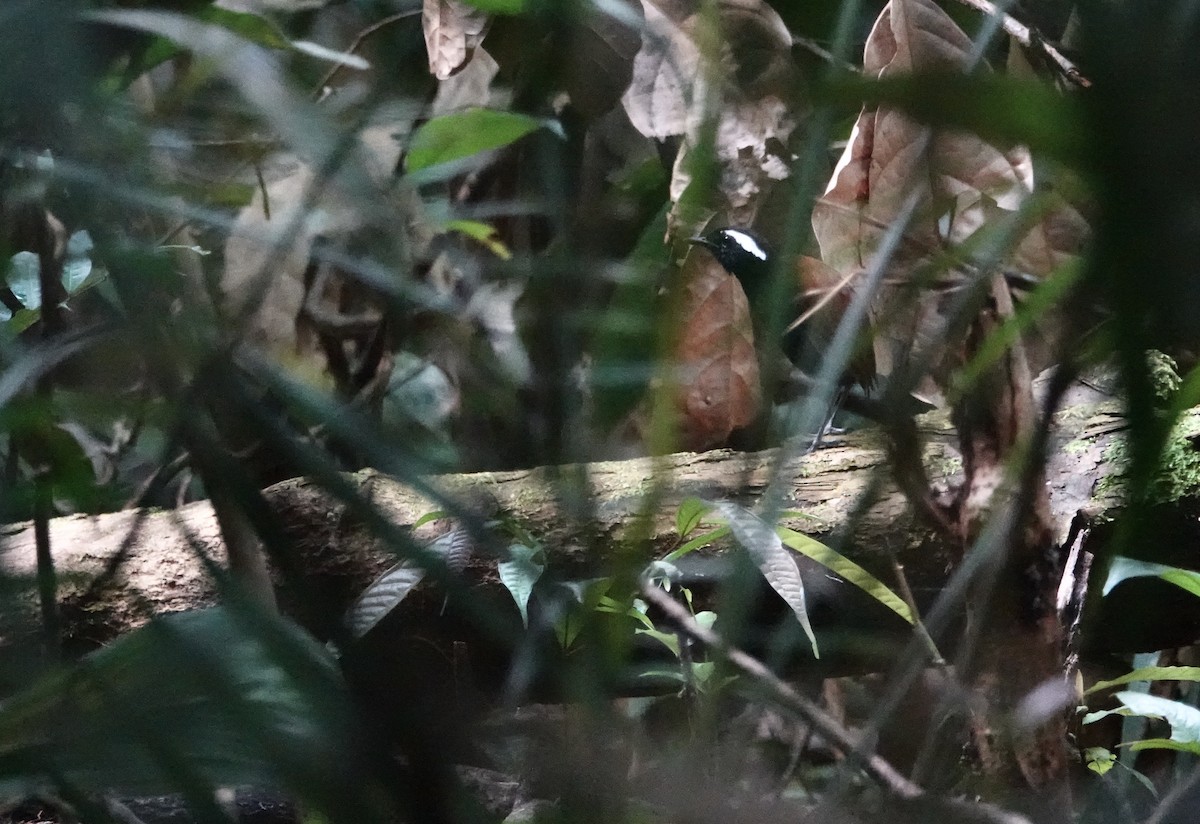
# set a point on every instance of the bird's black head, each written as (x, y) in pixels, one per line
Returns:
(744, 254)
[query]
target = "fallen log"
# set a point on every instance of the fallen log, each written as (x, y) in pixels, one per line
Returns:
(154, 561)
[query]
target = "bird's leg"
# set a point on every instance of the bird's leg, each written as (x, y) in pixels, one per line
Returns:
(835, 404)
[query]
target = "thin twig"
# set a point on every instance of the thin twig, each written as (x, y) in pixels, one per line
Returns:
(875, 766)
(1029, 37)
(813, 47)
(358, 41)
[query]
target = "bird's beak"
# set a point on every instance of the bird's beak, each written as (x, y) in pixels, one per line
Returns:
(699, 241)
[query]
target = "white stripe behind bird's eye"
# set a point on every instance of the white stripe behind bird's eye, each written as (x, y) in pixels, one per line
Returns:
(748, 243)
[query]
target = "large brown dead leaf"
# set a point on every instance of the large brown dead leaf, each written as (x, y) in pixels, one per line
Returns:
(961, 181)
(453, 30)
(718, 387)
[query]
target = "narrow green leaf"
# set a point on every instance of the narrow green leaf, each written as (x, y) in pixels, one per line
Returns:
(462, 134)
(699, 541)
(1099, 760)
(1148, 674)
(483, 233)
(1165, 744)
(428, 517)
(1183, 718)
(500, 6)
(845, 568)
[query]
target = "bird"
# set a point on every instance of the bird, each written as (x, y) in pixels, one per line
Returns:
(819, 294)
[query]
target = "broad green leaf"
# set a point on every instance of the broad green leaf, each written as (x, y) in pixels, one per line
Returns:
(847, 569)
(519, 573)
(202, 698)
(670, 640)
(462, 134)
(22, 279)
(775, 562)
(1125, 568)
(77, 265)
(1099, 760)
(691, 512)
(1183, 718)
(1148, 674)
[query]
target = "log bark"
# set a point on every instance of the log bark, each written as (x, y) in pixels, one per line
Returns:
(154, 561)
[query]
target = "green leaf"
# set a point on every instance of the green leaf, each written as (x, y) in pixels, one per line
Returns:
(462, 134)
(77, 265)
(382, 596)
(777, 565)
(253, 27)
(691, 512)
(22, 279)
(999, 108)
(519, 573)
(1183, 718)
(1148, 674)
(1165, 744)
(428, 517)
(484, 233)
(670, 640)
(500, 6)
(699, 541)
(847, 569)
(1123, 569)
(202, 698)
(1099, 760)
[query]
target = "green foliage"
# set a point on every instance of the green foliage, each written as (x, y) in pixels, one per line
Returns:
(463, 134)
(187, 703)
(287, 260)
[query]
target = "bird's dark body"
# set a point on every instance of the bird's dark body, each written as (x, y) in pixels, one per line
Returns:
(749, 258)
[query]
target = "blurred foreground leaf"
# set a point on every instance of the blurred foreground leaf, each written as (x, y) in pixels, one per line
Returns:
(188, 702)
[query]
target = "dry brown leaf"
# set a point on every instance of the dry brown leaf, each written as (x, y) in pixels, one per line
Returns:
(453, 30)
(266, 285)
(751, 93)
(890, 155)
(962, 181)
(718, 390)
(666, 74)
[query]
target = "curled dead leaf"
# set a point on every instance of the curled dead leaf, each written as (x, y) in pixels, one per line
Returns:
(961, 182)
(453, 29)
